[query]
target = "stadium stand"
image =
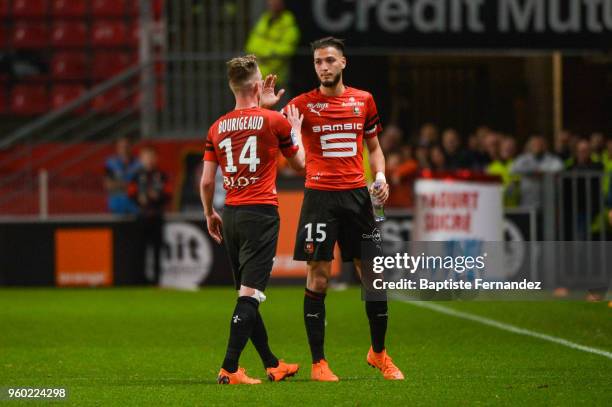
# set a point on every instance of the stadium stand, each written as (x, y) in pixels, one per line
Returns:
(29, 100)
(69, 65)
(30, 8)
(74, 40)
(69, 34)
(30, 35)
(109, 33)
(69, 8)
(64, 94)
(4, 9)
(101, 69)
(109, 8)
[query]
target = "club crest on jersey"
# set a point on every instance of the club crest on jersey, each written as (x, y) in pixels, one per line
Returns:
(356, 111)
(309, 248)
(317, 108)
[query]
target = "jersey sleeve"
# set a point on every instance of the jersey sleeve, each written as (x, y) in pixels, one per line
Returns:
(209, 148)
(294, 101)
(372, 122)
(286, 139)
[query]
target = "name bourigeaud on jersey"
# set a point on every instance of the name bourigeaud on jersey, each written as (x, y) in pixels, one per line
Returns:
(241, 123)
(337, 127)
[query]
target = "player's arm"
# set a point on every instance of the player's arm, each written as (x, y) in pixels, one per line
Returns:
(207, 191)
(297, 161)
(377, 164)
(377, 159)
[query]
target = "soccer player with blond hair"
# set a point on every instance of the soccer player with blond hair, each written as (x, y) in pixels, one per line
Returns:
(245, 143)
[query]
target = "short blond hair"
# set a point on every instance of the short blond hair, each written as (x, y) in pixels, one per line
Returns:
(240, 71)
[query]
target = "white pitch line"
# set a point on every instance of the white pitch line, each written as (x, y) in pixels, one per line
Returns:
(507, 327)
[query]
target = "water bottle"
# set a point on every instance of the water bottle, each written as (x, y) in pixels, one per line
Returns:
(377, 206)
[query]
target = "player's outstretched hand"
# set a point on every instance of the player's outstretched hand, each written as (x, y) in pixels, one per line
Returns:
(294, 117)
(215, 226)
(381, 193)
(268, 97)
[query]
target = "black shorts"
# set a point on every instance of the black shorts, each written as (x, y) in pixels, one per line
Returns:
(250, 234)
(329, 216)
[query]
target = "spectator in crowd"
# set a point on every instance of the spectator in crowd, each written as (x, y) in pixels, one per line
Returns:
(150, 190)
(564, 142)
(583, 158)
(402, 170)
(437, 160)
(490, 145)
(597, 144)
(274, 40)
(502, 166)
(531, 166)
(428, 135)
(407, 153)
(607, 156)
(119, 170)
(421, 155)
(455, 156)
(583, 190)
(476, 157)
(391, 138)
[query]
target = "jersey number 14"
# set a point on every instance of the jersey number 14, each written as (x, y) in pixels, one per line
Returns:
(248, 155)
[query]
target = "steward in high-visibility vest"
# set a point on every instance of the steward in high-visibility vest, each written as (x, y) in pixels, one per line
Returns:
(511, 182)
(274, 40)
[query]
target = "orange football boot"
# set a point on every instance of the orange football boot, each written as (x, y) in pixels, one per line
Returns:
(282, 371)
(322, 373)
(238, 377)
(384, 363)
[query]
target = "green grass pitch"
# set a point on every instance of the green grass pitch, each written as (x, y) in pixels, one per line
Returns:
(158, 347)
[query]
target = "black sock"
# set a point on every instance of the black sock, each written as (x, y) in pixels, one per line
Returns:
(314, 318)
(241, 327)
(259, 337)
(377, 315)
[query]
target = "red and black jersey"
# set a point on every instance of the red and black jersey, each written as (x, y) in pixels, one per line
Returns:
(245, 143)
(332, 133)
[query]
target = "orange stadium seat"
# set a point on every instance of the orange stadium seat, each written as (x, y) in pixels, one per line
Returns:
(109, 8)
(29, 100)
(30, 8)
(109, 33)
(61, 95)
(102, 68)
(69, 8)
(69, 65)
(30, 35)
(69, 34)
